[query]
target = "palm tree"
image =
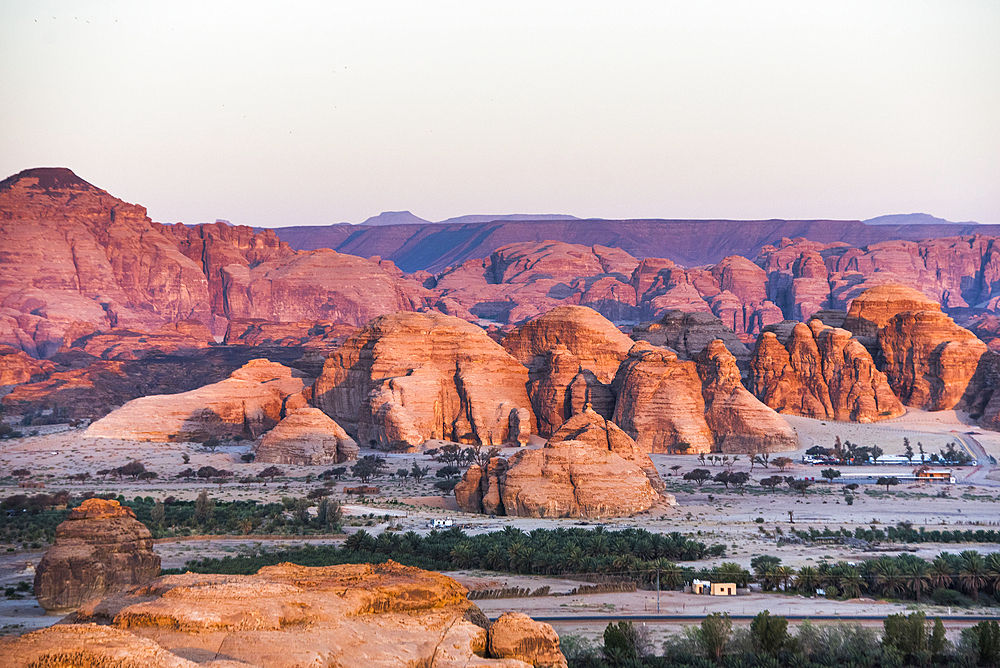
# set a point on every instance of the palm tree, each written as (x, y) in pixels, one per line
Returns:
(940, 573)
(915, 575)
(888, 576)
(993, 570)
(462, 555)
(808, 580)
(973, 574)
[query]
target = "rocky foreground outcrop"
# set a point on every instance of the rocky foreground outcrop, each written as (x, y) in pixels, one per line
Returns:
(821, 372)
(589, 468)
(100, 549)
(306, 437)
(248, 403)
(673, 406)
(288, 615)
(406, 378)
(572, 354)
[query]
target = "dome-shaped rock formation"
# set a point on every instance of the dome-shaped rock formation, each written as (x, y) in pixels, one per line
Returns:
(248, 403)
(306, 436)
(687, 334)
(100, 549)
(409, 377)
(822, 372)
(378, 615)
(871, 310)
(930, 362)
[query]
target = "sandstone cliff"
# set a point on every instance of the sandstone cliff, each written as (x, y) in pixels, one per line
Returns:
(872, 309)
(286, 615)
(687, 334)
(821, 372)
(930, 362)
(100, 549)
(409, 377)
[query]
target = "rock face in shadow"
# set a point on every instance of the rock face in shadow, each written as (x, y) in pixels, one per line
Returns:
(660, 403)
(248, 403)
(930, 362)
(409, 377)
(740, 423)
(572, 354)
(687, 334)
(381, 615)
(100, 549)
(821, 372)
(306, 436)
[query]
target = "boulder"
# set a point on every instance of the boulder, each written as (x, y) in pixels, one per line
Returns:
(378, 615)
(248, 403)
(515, 635)
(100, 549)
(306, 436)
(406, 378)
(930, 362)
(822, 372)
(740, 423)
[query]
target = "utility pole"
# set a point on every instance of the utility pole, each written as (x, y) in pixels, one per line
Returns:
(657, 591)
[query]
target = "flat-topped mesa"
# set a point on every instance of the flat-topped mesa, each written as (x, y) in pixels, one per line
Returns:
(740, 423)
(572, 354)
(822, 372)
(930, 362)
(871, 310)
(100, 549)
(378, 615)
(406, 378)
(248, 403)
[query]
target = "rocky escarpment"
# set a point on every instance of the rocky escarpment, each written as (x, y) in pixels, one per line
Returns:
(100, 549)
(821, 372)
(668, 405)
(17, 367)
(409, 377)
(572, 354)
(288, 615)
(248, 403)
(306, 436)
(873, 309)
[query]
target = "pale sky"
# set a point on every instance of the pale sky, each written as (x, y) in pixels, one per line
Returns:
(273, 114)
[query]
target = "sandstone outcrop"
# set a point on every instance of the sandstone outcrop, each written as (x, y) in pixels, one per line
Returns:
(286, 615)
(687, 334)
(821, 372)
(248, 403)
(740, 423)
(177, 338)
(321, 334)
(306, 436)
(574, 479)
(930, 362)
(409, 377)
(873, 309)
(590, 427)
(572, 354)
(100, 549)
(660, 403)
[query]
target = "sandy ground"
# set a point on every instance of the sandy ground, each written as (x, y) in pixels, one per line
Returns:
(709, 513)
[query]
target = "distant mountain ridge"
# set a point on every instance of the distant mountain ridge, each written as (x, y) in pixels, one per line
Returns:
(913, 219)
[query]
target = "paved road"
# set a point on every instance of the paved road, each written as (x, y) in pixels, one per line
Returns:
(671, 619)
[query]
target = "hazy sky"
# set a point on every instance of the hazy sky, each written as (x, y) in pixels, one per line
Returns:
(269, 113)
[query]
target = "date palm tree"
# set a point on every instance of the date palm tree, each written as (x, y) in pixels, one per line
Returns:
(915, 575)
(808, 580)
(940, 573)
(973, 574)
